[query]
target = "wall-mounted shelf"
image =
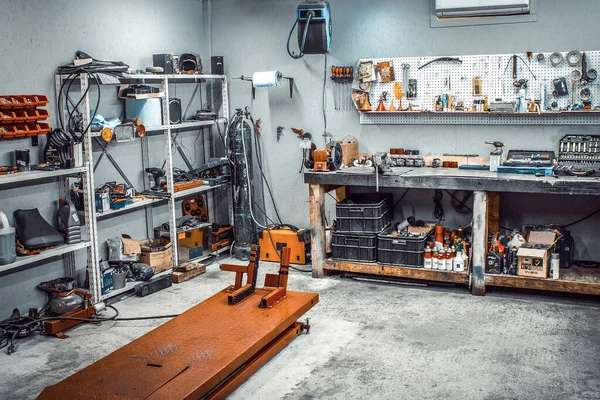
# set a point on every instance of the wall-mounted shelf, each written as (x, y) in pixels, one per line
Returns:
(44, 256)
(26, 177)
(186, 125)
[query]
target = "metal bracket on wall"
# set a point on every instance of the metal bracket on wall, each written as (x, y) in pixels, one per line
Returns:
(290, 81)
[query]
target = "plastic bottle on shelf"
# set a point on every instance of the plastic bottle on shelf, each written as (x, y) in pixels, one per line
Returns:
(459, 263)
(427, 263)
(8, 252)
(450, 256)
(442, 260)
(555, 265)
(434, 259)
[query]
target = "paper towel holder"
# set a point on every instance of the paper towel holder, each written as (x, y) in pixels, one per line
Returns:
(249, 79)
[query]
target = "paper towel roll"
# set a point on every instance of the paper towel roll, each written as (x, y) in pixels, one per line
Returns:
(266, 79)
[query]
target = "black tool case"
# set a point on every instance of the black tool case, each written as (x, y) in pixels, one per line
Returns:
(364, 213)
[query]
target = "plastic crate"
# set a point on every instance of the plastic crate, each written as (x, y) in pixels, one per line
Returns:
(364, 213)
(7, 117)
(401, 250)
(355, 247)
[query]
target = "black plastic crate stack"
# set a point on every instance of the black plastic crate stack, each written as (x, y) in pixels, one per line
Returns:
(403, 251)
(359, 219)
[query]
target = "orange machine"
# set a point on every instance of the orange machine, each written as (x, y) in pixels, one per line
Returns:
(298, 240)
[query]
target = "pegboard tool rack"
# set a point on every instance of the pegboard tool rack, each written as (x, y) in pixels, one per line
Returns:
(496, 76)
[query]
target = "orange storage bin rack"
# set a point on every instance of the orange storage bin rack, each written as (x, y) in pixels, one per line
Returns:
(31, 101)
(41, 100)
(19, 102)
(42, 115)
(6, 102)
(22, 130)
(7, 117)
(22, 116)
(43, 128)
(8, 131)
(32, 129)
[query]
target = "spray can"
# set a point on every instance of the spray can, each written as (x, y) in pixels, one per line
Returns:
(555, 265)
(8, 253)
(450, 259)
(428, 263)
(434, 259)
(442, 260)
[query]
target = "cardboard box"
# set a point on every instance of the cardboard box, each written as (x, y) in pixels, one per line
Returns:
(158, 253)
(349, 152)
(534, 256)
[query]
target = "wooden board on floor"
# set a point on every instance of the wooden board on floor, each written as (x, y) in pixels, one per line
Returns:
(189, 355)
(188, 266)
(399, 272)
(572, 280)
(179, 276)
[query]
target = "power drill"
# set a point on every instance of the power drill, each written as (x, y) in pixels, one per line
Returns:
(157, 174)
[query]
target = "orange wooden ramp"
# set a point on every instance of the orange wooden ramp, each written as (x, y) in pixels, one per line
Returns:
(206, 352)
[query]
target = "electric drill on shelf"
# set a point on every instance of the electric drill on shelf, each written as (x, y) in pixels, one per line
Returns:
(157, 174)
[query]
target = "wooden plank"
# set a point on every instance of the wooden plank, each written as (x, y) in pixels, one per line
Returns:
(479, 241)
(178, 277)
(396, 271)
(573, 280)
(188, 266)
(189, 355)
(457, 179)
(317, 228)
(493, 213)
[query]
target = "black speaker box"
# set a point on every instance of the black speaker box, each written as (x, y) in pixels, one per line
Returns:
(175, 110)
(217, 67)
(165, 61)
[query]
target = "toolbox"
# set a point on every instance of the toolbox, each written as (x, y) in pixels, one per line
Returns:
(364, 213)
(407, 251)
(298, 240)
(579, 155)
(355, 246)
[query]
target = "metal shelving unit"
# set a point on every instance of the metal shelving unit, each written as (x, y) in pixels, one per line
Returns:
(166, 130)
(67, 251)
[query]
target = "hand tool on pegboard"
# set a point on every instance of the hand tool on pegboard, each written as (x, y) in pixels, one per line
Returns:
(342, 78)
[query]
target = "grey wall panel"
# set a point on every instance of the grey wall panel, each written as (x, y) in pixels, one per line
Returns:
(252, 37)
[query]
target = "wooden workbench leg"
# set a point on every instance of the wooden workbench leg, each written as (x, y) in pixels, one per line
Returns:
(480, 211)
(317, 228)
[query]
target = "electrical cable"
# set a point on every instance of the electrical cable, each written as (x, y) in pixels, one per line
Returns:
(401, 198)
(582, 219)
(262, 173)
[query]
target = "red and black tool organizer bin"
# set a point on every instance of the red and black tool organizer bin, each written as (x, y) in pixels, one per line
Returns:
(359, 219)
(405, 251)
(20, 116)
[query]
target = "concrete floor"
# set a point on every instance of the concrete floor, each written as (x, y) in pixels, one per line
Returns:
(369, 341)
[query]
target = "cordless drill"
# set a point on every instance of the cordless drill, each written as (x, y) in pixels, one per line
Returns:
(157, 174)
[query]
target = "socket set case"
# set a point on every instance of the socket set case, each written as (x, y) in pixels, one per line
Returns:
(579, 155)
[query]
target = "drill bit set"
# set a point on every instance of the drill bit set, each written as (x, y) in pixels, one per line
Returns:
(342, 88)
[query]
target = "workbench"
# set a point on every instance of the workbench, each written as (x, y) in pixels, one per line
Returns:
(486, 187)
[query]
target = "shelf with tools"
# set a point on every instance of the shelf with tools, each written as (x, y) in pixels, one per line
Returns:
(572, 280)
(129, 287)
(31, 177)
(44, 255)
(433, 275)
(486, 187)
(171, 197)
(478, 89)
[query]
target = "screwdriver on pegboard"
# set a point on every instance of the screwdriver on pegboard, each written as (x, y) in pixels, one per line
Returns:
(342, 76)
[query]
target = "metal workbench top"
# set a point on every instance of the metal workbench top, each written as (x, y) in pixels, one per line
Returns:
(457, 179)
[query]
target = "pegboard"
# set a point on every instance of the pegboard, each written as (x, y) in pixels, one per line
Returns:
(497, 78)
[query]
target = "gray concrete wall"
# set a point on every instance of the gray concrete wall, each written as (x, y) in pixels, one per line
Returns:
(38, 36)
(252, 37)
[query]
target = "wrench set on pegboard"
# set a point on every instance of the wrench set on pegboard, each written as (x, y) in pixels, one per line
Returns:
(549, 88)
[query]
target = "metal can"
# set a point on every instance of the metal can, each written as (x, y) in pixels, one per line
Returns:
(22, 160)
